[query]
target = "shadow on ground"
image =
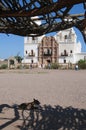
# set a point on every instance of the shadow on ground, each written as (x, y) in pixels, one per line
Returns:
(49, 118)
(7, 120)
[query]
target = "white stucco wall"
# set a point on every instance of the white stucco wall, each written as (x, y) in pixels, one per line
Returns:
(66, 39)
(31, 43)
(80, 56)
(28, 58)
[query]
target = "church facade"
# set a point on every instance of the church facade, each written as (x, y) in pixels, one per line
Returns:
(62, 48)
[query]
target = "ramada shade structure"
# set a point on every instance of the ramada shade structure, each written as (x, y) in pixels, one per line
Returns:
(38, 17)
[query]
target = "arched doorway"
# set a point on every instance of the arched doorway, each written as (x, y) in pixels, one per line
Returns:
(12, 63)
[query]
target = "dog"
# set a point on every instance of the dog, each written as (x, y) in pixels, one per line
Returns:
(29, 106)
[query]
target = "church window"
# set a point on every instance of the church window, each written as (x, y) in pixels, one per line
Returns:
(26, 52)
(71, 51)
(65, 52)
(64, 61)
(31, 52)
(65, 37)
(32, 61)
(33, 38)
(45, 51)
(49, 51)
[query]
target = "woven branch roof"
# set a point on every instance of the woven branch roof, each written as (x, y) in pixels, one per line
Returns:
(38, 17)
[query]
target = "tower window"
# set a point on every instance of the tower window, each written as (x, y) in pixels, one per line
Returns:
(26, 52)
(33, 38)
(65, 36)
(71, 51)
(32, 61)
(31, 52)
(65, 52)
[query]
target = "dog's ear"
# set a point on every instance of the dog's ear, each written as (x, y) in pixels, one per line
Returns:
(34, 99)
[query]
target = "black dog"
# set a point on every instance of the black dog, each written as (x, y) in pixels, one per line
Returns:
(29, 106)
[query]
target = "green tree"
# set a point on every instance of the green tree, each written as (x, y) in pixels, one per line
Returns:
(18, 58)
(82, 64)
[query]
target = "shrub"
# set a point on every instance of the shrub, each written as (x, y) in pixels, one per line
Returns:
(4, 66)
(19, 58)
(26, 67)
(19, 67)
(52, 66)
(82, 64)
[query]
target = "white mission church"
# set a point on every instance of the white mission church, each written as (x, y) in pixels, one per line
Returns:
(62, 48)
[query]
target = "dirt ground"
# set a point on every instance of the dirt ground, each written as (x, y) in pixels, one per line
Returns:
(62, 94)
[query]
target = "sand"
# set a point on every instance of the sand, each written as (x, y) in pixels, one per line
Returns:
(54, 88)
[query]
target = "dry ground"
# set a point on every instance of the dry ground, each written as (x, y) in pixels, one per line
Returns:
(56, 89)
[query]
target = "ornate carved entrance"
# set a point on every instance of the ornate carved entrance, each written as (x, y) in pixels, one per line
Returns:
(48, 51)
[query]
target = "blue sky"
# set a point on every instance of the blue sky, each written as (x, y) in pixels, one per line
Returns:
(13, 45)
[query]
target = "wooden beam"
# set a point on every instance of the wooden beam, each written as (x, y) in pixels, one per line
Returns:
(39, 11)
